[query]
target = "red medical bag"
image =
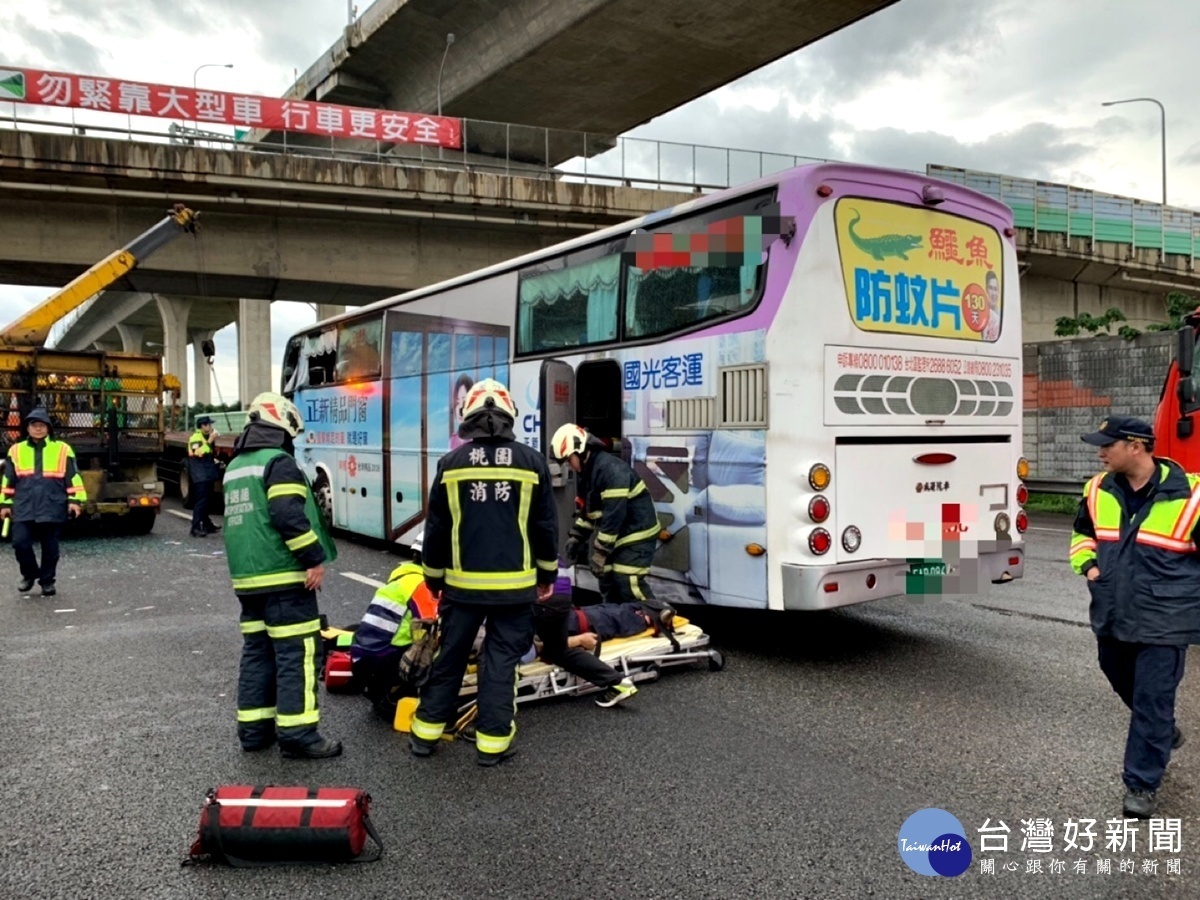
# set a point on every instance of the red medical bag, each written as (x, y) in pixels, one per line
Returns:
(254, 826)
(337, 673)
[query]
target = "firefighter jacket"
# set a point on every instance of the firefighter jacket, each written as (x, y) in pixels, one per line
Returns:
(491, 530)
(273, 529)
(40, 479)
(202, 465)
(615, 503)
(1149, 586)
(388, 620)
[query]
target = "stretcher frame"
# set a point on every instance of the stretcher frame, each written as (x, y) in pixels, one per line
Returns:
(640, 658)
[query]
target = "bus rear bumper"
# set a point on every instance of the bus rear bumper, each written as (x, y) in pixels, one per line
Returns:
(828, 587)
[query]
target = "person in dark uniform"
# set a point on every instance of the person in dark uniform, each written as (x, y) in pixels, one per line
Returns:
(1134, 539)
(489, 552)
(618, 508)
(202, 474)
(40, 487)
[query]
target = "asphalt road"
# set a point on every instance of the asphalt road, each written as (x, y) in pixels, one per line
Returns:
(786, 775)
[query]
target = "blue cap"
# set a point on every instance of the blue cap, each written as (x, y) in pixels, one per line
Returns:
(203, 420)
(1120, 428)
(38, 414)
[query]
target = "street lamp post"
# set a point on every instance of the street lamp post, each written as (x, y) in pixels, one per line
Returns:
(1163, 114)
(196, 124)
(449, 41)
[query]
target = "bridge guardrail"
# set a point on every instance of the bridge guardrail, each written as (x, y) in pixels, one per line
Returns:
(1078, 212)
(492, 147)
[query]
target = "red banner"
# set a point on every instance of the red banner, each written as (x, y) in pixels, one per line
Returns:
(139, 98)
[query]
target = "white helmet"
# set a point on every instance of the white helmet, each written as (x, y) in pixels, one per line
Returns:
(277, 410)
(488, 394)
(570, 438)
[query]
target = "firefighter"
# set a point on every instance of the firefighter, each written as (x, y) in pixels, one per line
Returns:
(40, 487)
(385, 632)
(276, 544)
(202, 473)
(489, 549)
(618, 508)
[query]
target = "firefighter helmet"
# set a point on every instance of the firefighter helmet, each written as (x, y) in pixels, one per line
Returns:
(570, 438)
(278, 411)
(488, 394)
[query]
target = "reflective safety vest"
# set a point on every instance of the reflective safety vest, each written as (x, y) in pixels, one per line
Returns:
(1148, 588)
(41, 480)
(259, 557)
(388, 620)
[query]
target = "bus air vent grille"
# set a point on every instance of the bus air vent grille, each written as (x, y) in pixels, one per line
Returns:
(742, 402)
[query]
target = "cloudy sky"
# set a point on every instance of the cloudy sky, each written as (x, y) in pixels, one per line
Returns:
(1009, 86)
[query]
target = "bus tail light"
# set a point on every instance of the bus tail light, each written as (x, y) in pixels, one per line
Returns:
(851, 539)
(1022, 468)
(1022, 494)
(818, 509)
(756, 549)
(1022, 521)
(819, 477)
(831, 587)
(819, 541)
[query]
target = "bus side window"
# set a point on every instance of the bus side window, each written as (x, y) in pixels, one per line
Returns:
(317, 358)
(569, 307)
(660, 301)
(290, 376)
(358, 353)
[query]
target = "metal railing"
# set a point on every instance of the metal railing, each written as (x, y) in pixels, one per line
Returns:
(1078, 212)
(493, 147)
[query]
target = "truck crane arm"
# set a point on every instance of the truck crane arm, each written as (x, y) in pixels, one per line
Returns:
(32, 329)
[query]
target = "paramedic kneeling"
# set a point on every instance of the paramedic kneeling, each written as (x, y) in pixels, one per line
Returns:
(490, 542)
(1134, 540)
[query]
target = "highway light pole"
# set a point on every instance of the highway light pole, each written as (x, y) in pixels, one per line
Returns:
(449, 41)
(196, 124)
(1163, 114)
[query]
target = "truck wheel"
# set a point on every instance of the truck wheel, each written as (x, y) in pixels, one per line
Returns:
(185, 489)
(140, 521)
(324, 495)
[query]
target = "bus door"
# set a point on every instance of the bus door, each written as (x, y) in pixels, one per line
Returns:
(556, 390)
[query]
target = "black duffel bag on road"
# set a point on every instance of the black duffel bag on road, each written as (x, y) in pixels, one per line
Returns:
(263, 826)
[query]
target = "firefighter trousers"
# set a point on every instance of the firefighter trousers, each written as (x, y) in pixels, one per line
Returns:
(281, 660)
(625, 581)
(509, 632)
(550, 619)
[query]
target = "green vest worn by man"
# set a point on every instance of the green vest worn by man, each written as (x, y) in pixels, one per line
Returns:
(259, 558)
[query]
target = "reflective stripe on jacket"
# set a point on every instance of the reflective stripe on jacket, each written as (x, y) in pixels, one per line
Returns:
(40, 478)
(387, 622)
(616, 502)
(1148, 590)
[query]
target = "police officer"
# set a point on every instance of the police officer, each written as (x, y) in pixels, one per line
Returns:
(202, 473)
(276, 544)
(617, 506)
(490, 542)
(1134, 540)
(40, 487)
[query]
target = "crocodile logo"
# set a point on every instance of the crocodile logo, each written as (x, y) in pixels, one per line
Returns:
(886, 244)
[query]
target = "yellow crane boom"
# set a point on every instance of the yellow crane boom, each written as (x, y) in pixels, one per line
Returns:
(32, 329)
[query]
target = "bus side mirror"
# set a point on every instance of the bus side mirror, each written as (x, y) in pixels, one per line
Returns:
(1185, 349)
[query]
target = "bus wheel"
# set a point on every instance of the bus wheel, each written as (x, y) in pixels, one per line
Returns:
(323, 491)
(185, 488)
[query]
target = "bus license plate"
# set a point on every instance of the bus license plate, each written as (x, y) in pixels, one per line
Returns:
(929, 567)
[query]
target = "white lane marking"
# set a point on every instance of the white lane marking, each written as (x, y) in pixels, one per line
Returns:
(143, 608)
(182, 515)
(64, 610)
(363, 579)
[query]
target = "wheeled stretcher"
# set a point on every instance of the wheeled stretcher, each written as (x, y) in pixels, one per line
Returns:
(640, 658)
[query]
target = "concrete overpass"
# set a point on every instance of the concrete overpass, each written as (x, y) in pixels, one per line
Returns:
(597, 66)
(273, 227)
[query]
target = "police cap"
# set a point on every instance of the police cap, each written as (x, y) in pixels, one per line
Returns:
(1120, 428)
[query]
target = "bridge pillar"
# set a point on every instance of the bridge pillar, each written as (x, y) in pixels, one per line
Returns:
(254, 349)
(174, 312)
(202, 375)
(328, 311)
(132, 337)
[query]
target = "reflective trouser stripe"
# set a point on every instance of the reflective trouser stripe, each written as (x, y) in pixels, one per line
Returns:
(256, 715)
(631, 570)
(253, 626)
(300, 629)
(427, 731)
(310, 714)
(490, 743)
(635, 588)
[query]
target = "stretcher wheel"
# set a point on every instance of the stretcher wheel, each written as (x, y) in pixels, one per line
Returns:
(716, 660)
(652, 670)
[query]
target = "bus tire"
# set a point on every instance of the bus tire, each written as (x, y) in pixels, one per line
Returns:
(140, 521)
(323, 492)
(185, 488)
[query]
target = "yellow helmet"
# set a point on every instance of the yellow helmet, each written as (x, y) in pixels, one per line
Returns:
(274, 409)
(488, 394)
(570, 438)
